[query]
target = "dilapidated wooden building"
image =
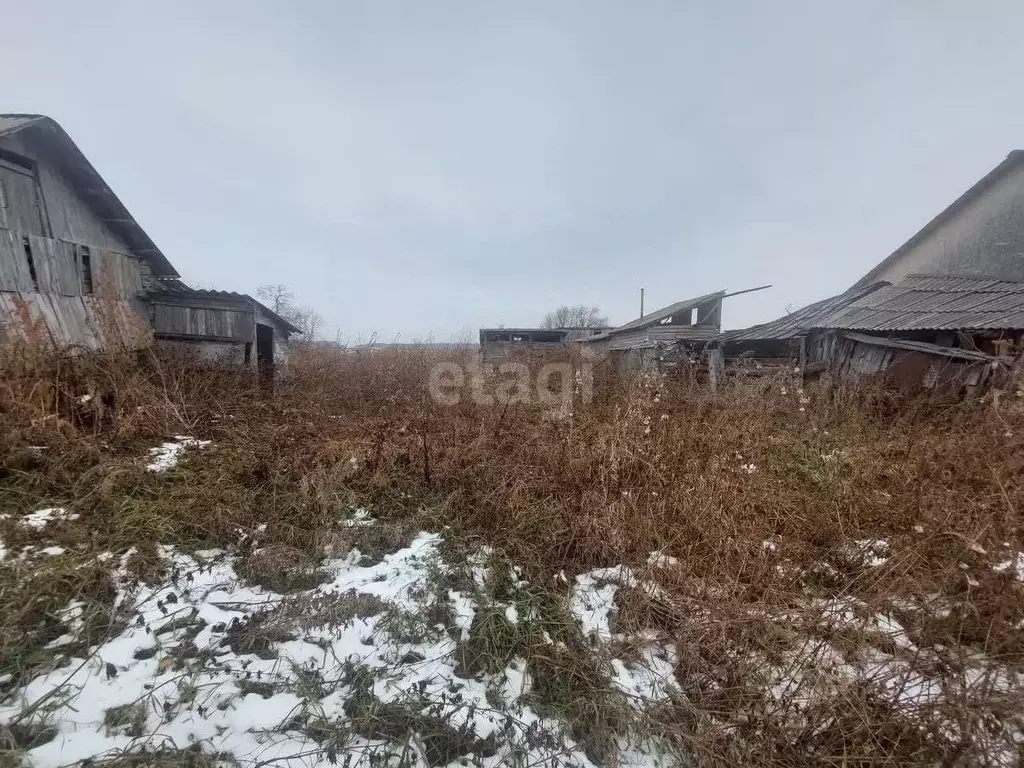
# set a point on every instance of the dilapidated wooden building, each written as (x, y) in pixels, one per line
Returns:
(500, 344)
(782, 343)
(77, 270)
(956, 334)
(219, 325)
(945, 310)
(698, 320)
(642, 341)
(953, 334)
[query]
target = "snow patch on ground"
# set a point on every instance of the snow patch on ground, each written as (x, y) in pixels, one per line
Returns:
(593, 603)
(205, 659)
(43, 517)
(659, 559)
(167, 455)
(359, 517)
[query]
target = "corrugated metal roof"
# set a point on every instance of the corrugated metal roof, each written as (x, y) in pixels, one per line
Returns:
(175, 287)
(88, 183)
(665, 312)
(797, 322)
(656, 317)
(929, 302)
(641, 338)
(14, 122)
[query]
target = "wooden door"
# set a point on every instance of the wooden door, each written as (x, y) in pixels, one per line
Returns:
(20, 207)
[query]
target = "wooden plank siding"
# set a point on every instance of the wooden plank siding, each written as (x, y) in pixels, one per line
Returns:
(14, 272)
(59, 264)
(56, 265)
(116, 274)
(22, 318)
(206, 322)
(72, 321)
(661, 334)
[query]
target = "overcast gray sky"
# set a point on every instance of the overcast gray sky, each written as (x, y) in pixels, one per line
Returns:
(416, 168)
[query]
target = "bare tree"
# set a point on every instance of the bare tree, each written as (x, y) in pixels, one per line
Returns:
(580, 316)
(309, 321)
(278, 298)
(281, 301)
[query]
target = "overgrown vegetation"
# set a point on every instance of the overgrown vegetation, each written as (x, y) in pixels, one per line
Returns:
(785, 522)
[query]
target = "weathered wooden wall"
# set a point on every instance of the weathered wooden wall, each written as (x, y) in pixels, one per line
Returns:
(14, 272)
(221, 323)
(59, 267)
(499, 351)
(57, 306)
(60, 305)
(232, 352)
(856, 360)
(69, 216)
(72, 321)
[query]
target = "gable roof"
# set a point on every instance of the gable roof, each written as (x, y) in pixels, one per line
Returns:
(88, 183)
(657, 316)
(173, 289)
(799, 321)
(926, 302)
(1013, 161)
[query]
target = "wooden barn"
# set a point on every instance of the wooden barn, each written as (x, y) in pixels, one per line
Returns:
(77, 270)
(770, 347)
(953, 334)
(956, 334)
(500, 344)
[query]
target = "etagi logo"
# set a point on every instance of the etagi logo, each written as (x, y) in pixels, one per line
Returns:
(552, 384)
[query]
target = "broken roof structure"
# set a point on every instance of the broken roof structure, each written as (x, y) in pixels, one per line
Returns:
(696, 319)
(796, 323)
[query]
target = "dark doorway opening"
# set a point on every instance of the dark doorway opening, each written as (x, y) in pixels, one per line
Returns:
(265, 352)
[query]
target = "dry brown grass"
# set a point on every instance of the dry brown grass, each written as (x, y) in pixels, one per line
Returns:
(650, 465)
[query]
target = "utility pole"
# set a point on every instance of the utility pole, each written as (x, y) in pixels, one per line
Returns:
(641, 303)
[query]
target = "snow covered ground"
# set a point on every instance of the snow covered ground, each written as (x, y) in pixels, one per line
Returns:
(167, 455)
(362, 666)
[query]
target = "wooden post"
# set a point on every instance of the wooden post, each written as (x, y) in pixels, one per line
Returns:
(1017, 373)
(716, 368)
